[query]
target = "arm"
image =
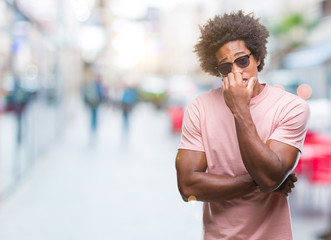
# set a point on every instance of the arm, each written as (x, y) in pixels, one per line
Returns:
(287, 185)
(193, 180)
(268, 164)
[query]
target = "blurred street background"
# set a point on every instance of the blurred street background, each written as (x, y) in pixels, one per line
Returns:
(92, 95)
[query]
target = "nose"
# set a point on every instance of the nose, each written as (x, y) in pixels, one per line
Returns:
(236, 69)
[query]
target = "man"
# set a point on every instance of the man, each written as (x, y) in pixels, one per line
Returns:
(240, 142)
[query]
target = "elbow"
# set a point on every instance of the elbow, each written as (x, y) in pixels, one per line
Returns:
(267, 189)
(185, 198)
(271, 180)
(186, 192)
(183, 192)
(269, 185)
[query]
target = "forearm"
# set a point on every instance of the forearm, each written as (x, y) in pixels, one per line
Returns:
(261, 162)
(214, 188)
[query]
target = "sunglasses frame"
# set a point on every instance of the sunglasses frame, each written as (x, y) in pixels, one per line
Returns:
(231, 63)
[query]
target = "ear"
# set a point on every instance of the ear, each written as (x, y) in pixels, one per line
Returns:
(258, 62)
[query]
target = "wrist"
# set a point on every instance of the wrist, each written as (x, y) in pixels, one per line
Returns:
(242, 114)
(251, 184)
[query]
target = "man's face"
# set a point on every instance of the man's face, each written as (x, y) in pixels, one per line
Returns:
(237, 58)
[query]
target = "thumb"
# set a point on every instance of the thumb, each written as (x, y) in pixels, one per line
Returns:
(251, 83)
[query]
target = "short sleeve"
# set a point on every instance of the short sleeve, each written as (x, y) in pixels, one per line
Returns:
(191, 137)
(292, 127)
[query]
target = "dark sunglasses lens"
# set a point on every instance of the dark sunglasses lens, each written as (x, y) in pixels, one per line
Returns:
(242, 62)
(224, 68)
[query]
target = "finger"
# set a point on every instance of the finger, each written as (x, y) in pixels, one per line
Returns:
(231, 78)
(225, 83)
(238, 78)
(293, 177)
(251, 83)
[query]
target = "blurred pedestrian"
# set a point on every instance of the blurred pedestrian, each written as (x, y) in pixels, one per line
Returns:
(240, 142)
(18, 100)
(93, 97)
(129, 99)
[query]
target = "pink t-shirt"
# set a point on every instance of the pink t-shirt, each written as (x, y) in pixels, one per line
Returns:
(208, 126)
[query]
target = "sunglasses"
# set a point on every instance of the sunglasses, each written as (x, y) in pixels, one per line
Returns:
(225, 68)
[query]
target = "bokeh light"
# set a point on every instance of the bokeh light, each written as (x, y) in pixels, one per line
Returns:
(304, 91)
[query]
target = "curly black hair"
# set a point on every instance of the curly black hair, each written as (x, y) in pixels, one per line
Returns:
(230, 27)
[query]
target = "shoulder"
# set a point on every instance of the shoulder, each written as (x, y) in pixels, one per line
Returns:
(288, 98)
(207, 97)
(291, 107)
(201, 104)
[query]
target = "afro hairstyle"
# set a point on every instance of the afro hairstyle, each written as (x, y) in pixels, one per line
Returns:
(226, 28)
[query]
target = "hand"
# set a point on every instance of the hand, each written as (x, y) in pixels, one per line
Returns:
(237, 93)
(286, 186)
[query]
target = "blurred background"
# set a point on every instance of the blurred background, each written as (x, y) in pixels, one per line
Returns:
(92, 95)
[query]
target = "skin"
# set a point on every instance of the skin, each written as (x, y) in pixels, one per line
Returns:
(269, 164)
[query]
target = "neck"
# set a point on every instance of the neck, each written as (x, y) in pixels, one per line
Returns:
(257, 89)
